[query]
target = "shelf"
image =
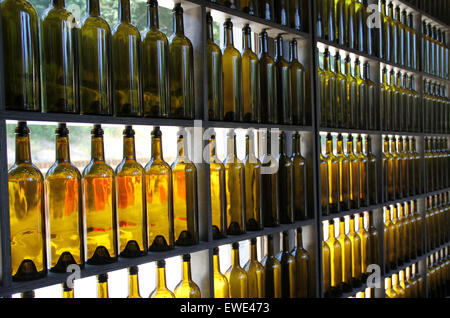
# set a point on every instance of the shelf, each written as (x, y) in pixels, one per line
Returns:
(437, 192)
(434, 77)
(350, 131)
(241, 125)
(346, 49)
(402, 133)
(350, 212)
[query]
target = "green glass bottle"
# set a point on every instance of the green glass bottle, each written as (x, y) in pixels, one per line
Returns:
(325, 208)
(398, 171)
(354, 174)
(333, 176)
(59, 49)
(250, 78)
(361, 98)
(255, 273)
(281, 12)
(352, 88)
(252, 186)
(269, 187)
(300, 180)
(335, 260)
(272, 271)
(283, 84)
(266, 9)
(298, 86)
(340, 118)
(267, 82)
(326, 269)
(327, 84)
(372, 119)
(248, 6)
(20, 37)
(126, 64)
(365, 246)
(232, 76)
(155, 80)
(296, 15)
(395, 100)
(346, 245)
(181, 69)
(356, 253)
(363, 174)
(95, 63)
(344, 174)
(372, 168)
(373, 241)
(236, 275)
(302, 263)
(385, 100)
(285, 183)
(288, 269)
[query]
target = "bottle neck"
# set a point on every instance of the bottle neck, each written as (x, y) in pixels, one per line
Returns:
(124, 11)
(359, 146)
(253, 252)
(178, 24)
(368, 146)
(228, 36)
(180, 144)
(246, 40)
(386, 146)
(357, 70)
(58, 4)
(387, 216)
(350, 145)
(97, 151)
(264, 45)
(102, 289)
(133, 286)
(299, 240)
(235, 257)
(329, 147)
(93, 8)
(337, 64)
(293, 51)
(367, 72)
(347, 68)
(371, 220)
(216, 263)
(352, 226)
(326, 62)
(389, 283)
(209, 31)
(278, 48)
(340, 146)
(153, 18)
(298, 146)
(285, 243)
(393, 146)
(331, 235)
(249, 147)
(129, 151)
(231, 146)
(68, 293)
(394, 214)
(62, 149)
(186, 271)
(270, 248)
(156, 148)
(160, 278)
(384, 77)
(23, 152)
(342, 228)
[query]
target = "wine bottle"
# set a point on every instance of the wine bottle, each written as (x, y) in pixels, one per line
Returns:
(27, 212)
(399, 235)
(429, 164)
(236, 276)
(360, 26)
(363, 173)
(373, 241)
(133, 282)
(218, 192)
(232, 76)
(285, 183)
(267, 82)
(155, 82)
(161, 290)
(395, 100)
(365, 246)
(272, 271)
(59, 45)
(326, 269)
(186, 288)
(385, 100)
(333, 176)
(354, 174)
(411, 282)
(412, 231)
(255, 273)
(340, 116)
(351, 26)
(346, 246)
(252, 167)
(102, 286)
(372, 119)
(404, 166)
(185, 206)
(335, 261)
(181, 69)
(250, 78)
(20, 38)
(390, 292)
(388, 172)
(300, 110)
(386, 241)
(361, 99)
(372, 170)
(235, 188)
(249, 6)
(302, 264)
(126, 64)
(282, 11)
(341, 22)
(130, 185)
(221, 289)
(417, 166)
(300, 180)
(296, 15)
(288, 269)
(99, 204)
(344, 174)
(396, 286)
(266, 9)
(412, 42)
(269, 187)
(356, 254)
(327, 83)
(64, 207)
(95, 63)
(398, 168)
(406, 241)
(67, 291)
(352, 88)
(158, 176)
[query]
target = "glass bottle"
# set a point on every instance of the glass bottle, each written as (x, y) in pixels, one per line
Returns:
(396, 286)
(185, 206)
(126, 51)
(388, 172)
(412, 230)
(133, 282)
(288, 269)
(300, 180)
(372, 171)
(272, 271)
(26, 212)
(344, 175)
(341, 22)
(283, 85)
(248, 6)
(267, 82)
(266, 9)
(326, 269)
(395, 100)
(341, 97)
(390, 292)
(412, 42)
(417, 166)
(404, 182)
(353, 174)
(327, 84)
(20, 37)
(429, 164)
(269, 187)
(235, 188)
(236, 276)
(187, 288)
(346, 245)
(296, 15)
(360, 26)
(252, 167)
(352, 88)
(365, 246)
(64, 207)
(100, 205)
(161, 290)
(302, 263)
(335, 260)
(363, 173)
(95, 63)
(398, 231)
(282, 11)
(160, 218)
(250, 78)
(221, 289)
(102, 286)
(393, 39)
(324, 195)
(181, 69)
(59, 50)
(361, 98)
(218, 193)
(371, 119)
(356, 253)
(385, 100)
(333, 176)
(411, 282)
(300, 110)
(373, 241)
(155, 80)
(398, 169)
(285, 183)
(350, 21)
(255, 273)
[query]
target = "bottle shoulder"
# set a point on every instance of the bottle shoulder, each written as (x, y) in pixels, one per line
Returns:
(129, 167)
(23, 171)
(12, 8)
(151, 36)
(98, 169)
(178, 40)
(63, 170)
(89, 23)
(53, 15)
(123, 31)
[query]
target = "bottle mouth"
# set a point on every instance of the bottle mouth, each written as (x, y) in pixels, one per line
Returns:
(178, 9)
(133, 270)
(102, 278)
(97, 131)
(161, 263)
(128, 132)
(153, 3)
(22, 129)
(62, 130)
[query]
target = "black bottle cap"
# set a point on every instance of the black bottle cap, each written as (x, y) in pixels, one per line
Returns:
(215, 251)
(186, 257)
(156, 132)
(357, 62)
(213, 137)
(359, 138)
(22, 129)
(331, 221)
(62, 130)
(161, 263)
(294, 42)
(326, 52)
(102, 278)
(361, 214)
(209, 18)
(339, 137)
(342, 219)
(228, 23)
(352, 216)
(235, 245)
(128, 132)
(153, 3)
(263, 34)
(348, 59)
(178, 9)
(253, 241)
(97, 131)
(299, 230)
(329, 136)
(133, 270)
(246, 29)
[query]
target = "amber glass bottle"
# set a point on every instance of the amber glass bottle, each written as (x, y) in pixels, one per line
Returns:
(267, 82)
(252, 178)
(269, 187)
(344, 175)
(100, 204)
(250, 78)
(325, 208)
(363, 173)
(186, 288)
(161, 290)
(283, 85)
(335, 260)
(356, 253)
(388, 172)
(102, 286)
(340, 119)
(27, 212)
(372, 170)
(133, 282)
(158, 180)
(326, 269)
(272, 271)
(181, 69)
(64, 207)
(255, 273)
(59, 48)
(412, 230)
(221, 289)
(288, 269)
(126, 51)
(398, 175)
(373, 241)
(95, 63)
(385, 100)
(130, 187)
(353, 174)
(398, 232)
(185, 206)
(236, 275)
(365, 246)
(300, 180)
(346, 245)
(302, 263)
(218, 194)
(352, 100)
(235, 188)
(155, 80)
(20, 37)
(386, 240)
(300, 110)
(285, 183)
(390, 292)
(397, 287)
(333, 176)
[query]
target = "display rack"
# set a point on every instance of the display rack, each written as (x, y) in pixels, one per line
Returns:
(195, 26)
